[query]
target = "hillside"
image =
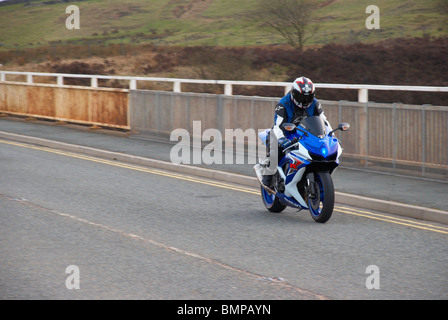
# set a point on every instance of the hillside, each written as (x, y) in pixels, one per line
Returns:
(415, 61)
(212, 39)
(33, 23)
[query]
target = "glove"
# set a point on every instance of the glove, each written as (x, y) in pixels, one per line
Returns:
(284, 143)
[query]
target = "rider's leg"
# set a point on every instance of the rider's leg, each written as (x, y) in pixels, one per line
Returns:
(270, 165)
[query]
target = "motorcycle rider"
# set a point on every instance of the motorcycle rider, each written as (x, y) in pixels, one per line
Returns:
(298, 104)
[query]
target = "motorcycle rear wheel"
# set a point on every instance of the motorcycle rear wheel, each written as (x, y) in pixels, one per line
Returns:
(321, 207)
(271, 201)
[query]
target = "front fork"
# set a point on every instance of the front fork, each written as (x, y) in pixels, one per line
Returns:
(311, 187)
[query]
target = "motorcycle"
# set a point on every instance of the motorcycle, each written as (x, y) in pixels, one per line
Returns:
(303, 176)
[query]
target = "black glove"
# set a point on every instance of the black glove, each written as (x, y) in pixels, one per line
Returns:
(284, 143)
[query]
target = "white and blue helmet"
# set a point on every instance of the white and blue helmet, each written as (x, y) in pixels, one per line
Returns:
(302, 93)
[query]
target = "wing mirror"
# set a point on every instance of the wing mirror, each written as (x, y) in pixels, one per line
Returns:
(289, 126)
(342, 126)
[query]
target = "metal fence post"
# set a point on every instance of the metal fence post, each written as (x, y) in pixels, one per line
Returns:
(252, 112)
(157, 115)
(143, 108)
(177, 86)
(363, 134)
(367, 132)
(60, 80)
(394, 138)
(188, 111)
(423, 139)
(228, 89)
(94, 82)
(173, 103)
(363, 95)
(220, 113)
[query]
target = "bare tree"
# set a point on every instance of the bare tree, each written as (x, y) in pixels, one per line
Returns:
(290, 18)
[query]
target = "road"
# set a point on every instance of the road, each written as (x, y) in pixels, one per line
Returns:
(135, 232)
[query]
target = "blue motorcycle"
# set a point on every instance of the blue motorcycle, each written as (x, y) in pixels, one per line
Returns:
(303, 176)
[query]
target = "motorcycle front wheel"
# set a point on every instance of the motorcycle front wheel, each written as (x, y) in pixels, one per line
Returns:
(321, 206)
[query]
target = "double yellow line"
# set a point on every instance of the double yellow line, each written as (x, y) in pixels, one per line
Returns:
(341, 209)
(135, 167)
(392, 219)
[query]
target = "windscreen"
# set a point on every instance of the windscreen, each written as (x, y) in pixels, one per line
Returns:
(314, 125)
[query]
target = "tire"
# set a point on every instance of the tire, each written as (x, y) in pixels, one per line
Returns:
(271, 202)
(321, 208)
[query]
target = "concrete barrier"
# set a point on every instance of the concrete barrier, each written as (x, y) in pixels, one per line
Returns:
(393, 138)
(411, 140)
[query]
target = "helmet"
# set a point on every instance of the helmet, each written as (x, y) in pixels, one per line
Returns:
(302, 93)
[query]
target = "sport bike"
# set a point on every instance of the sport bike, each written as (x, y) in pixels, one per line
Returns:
(303, 176)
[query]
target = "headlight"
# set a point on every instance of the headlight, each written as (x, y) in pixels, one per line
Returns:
(324, 151)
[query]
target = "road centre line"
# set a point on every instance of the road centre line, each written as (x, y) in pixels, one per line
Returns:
(341, 209)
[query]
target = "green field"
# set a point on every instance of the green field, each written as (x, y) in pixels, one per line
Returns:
(208, 22)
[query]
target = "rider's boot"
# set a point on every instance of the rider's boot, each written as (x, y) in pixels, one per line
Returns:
(267, 176)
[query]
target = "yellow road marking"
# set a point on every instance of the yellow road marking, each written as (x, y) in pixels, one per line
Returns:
(423, 224)
(360, 213)
(402, 222)
(134, 167)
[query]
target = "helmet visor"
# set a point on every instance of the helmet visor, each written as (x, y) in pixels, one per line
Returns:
(306, 99)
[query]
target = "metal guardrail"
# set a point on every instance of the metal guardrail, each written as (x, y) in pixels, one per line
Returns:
(363, 89)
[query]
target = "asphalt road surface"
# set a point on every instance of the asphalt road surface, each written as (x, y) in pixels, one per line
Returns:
(134, 232)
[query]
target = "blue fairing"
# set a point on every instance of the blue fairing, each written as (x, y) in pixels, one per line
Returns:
(315, 140)
(289, 201)
(322, 147)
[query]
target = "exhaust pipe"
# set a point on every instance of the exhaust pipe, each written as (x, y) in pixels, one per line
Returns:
(258, 171)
